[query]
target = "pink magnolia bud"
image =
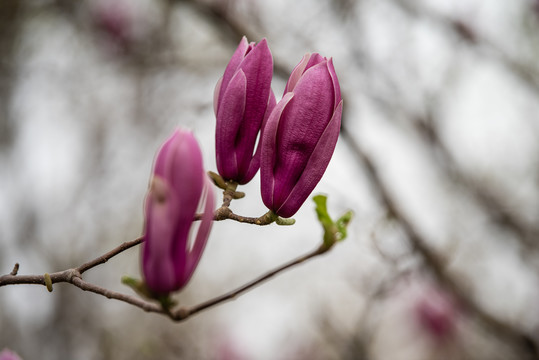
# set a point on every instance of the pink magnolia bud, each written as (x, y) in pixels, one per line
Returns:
(437, 314)
(7, 354)
(242, 102)
(116, 20)
(178, 187)
(300, 135)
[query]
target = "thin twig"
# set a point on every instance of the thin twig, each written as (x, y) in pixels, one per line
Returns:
(138, 302)
(184, 313)
(66, 275)
(74, 276)
(15, 269)
(225, 213)
(104, 258)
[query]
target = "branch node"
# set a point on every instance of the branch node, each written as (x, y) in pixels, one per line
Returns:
(48, 281)
(222, 213)
(266, 219)
(181, 314)
(15, 269)
(72, 273)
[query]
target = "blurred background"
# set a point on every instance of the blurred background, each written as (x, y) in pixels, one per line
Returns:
(438, 158)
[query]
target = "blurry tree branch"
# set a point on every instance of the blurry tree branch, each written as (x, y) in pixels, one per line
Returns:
(425, 124)
(66, 275)
(523, 343)
(9, 23)
(466, 32)
(232, 25)
(489, 200)
(225, 213)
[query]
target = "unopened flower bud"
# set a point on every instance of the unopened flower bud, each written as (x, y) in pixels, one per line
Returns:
(437, 313)
(7, 354)
(300, 135)
(242, 102)
(179, 186)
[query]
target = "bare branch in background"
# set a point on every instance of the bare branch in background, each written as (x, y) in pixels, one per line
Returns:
(489, 200)
(466, 32)
(9, 27)
(232, 25)
(523, 343)
(140, 86)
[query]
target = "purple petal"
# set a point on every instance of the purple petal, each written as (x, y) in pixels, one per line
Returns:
(216, 93)
(258, 69)
(308, 61)
(315, 59)
(203, 232)
(336, 86)
(159, 167)
(296, 74)
(271, 105)
(170, 207)
(268, 152)
(229, 119)
(255, 162)
(233, 66)
(161, 210)
(185, 172)
(316, 166)
(187, 181)
(300, 128)
(7, 354)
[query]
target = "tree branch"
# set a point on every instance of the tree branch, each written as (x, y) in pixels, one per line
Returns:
(524, 71)
(229, 194)
(509, 334)
(104, 258)
(138, 302)
(74, 276)
(184, 313)
(490, 202)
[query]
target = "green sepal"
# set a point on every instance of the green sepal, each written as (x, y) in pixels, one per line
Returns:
(284, 221)
(141, 289)
(137, 286)
(267, 218)
(322, 210)
(217, 180)
(166, 302)
(333, 231)
(342, 224)
(238, 195)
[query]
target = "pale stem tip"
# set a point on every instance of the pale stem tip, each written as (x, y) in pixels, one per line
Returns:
(48, 281)
(285, 222)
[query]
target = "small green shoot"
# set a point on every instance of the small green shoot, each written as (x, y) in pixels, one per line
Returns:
(333, 230)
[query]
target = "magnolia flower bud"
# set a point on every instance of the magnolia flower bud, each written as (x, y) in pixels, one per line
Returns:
(7, 354)
(179, 186)
(115, 18)
(300, 135)
(242, 102)
(437, 313)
